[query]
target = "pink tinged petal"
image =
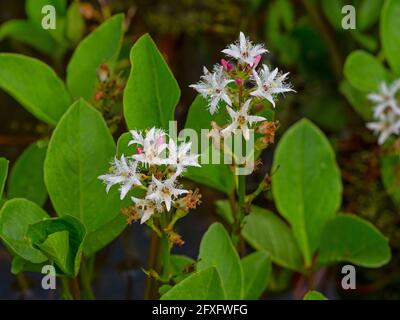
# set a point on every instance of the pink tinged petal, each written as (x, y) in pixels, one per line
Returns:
(256, 61)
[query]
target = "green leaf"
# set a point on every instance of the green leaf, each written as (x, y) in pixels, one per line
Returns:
(314, 295)
(217, 250)
(3, 174)
(264, 231)
(351, 239)
(151, 93)
(19, 265)
(357, 99)
(75, 24)
(368, 13)
(390, 36)
(203, 285)
(307, 184)
(364, 71)
(256, 272)
(333, 11)
(20, 76)
(390, 168)
(26, 177)
(102, 46)
(122, 145)
(60, 239)
(27, 32)
(34, 12)
(217, 176)
(223, 209)
(15, 218)
(79, 151)
(33, 8)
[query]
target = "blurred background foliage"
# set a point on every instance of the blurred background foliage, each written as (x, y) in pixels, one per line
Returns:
(304, 37)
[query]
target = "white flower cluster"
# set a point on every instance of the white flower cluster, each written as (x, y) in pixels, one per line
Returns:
(239, 85)
(386, 111)
(154, 167)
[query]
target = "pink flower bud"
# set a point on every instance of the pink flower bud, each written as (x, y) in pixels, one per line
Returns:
(227, 65)
(256, 61)
(239, 81)
(139, 150)
(160, 140)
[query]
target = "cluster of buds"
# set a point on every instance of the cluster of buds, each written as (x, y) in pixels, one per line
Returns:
(386, 111)
(108, 96)
(241, 87)
(154, 168)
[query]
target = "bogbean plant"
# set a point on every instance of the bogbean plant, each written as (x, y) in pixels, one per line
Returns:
(151, 164)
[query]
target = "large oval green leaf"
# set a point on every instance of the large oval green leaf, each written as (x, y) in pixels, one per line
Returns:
(26, 177)
(390, 36)
(256, 272)
(364, 71)
(15, 218)
(80, 150)
(102, 46)
(217, 250)
(265, 231)
(29, 33)
(35, 85)
(152, 93)
(348, 238)
(203, 285)
(307, 185)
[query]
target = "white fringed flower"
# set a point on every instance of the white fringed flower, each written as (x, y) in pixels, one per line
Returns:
(270, 84)
(385, 98)
(241, 120)
(153, 145)
(180, 156)
(164, 192)
(213, 86)
(146, 208)
(245, 51)
(387, 124)
(124, 173)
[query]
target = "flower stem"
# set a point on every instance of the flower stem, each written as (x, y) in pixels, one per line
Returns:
(237, 238)
(151, 284)
(75, 290)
